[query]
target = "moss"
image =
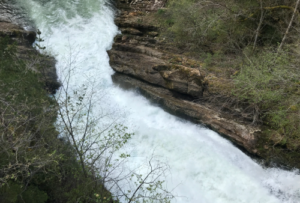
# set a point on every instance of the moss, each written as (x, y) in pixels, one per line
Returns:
(17, 82)
(192, 63)
(17, 33)
(169, 84)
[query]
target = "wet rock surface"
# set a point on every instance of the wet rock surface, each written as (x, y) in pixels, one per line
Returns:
(12, 22)
(10, 12)
(162, 72)
(182, 106)
(145, 62)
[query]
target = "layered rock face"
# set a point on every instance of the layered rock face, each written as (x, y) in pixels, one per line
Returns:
(136, 52)
(10, 12)
(10, 27)
(145, 62)
(153, 69)
(22, 37)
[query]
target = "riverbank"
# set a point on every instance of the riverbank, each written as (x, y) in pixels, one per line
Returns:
(185, 85)
(202, 165)
(36, 164)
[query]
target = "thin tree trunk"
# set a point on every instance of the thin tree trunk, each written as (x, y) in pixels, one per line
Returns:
(289, 27)
(259, 25)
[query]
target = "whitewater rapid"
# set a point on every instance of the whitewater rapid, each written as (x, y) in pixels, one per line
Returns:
(204, 167)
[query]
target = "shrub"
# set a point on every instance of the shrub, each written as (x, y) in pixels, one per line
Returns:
(227, 26)
(270, 83)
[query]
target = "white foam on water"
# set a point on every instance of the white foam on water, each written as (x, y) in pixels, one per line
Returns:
(204, 166)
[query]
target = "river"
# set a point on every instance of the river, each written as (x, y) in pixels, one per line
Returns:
(204, 167)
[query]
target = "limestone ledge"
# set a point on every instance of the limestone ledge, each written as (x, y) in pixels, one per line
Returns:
(167, 77)
(242, 135)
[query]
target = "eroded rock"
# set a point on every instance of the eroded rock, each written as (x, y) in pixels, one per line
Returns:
(32, 58)
(167, 77)
(243, 135)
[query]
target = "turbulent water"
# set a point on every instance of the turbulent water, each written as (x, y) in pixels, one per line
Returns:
(204, 166)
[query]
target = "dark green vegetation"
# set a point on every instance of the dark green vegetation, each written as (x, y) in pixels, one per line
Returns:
(252, 47)
(35, 165)
(53, 148)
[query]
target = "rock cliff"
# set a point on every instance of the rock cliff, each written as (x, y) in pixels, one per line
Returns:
(168, 77)
(12, 22)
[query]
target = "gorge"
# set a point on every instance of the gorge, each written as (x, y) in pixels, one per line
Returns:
(204, 167)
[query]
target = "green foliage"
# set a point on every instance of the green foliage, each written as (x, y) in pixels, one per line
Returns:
(208, 59)
(9, 193)
(226, 26)
(98, 152)
(269, 82)
(237, 40)
(160, 11)
(262, 79)
(39, 164)
(17, 82)
(211, 59)
(29, 143)
(15, 193)
(34, 195)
